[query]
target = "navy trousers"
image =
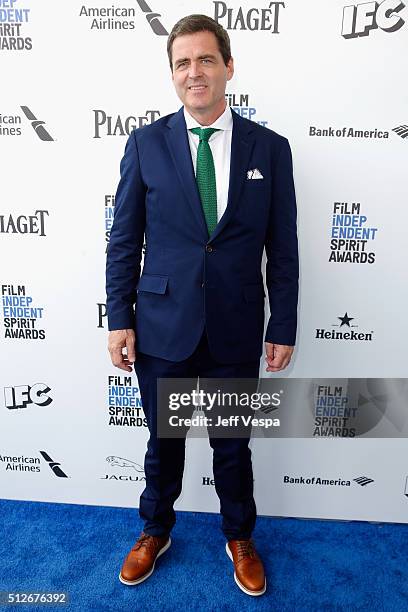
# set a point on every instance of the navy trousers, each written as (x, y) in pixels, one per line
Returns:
(164, 459)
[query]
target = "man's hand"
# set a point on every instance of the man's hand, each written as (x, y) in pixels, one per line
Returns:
(119, 339)
(277, 356)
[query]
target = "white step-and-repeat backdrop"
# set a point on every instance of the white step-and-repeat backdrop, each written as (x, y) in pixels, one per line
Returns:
(76, 78)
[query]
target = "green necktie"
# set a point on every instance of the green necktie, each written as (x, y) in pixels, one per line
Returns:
(205, 177)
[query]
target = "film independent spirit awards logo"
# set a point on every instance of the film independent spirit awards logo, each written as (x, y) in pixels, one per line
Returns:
(124, 403)
(22, 317)
(13, 19)
(351, 236)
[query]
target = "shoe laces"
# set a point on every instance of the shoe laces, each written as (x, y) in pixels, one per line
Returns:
(245, 548)
(146, 541)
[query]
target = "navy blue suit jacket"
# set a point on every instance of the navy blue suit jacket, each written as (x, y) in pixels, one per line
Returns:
(189, 280)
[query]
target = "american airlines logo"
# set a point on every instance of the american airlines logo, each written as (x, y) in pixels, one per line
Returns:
(363, 480)
(152, 19)
(401, 130)
(116, 17)
(360, 19)
(37, 124)
(54, 465)
(12, 124)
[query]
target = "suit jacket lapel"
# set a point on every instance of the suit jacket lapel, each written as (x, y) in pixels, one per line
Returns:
(177, 140)
(242, 143)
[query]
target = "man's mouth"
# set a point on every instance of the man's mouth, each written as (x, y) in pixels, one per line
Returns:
(197, 87)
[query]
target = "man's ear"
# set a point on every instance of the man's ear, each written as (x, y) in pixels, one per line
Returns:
(230, 69)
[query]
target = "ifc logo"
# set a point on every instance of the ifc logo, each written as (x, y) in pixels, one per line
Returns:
(358, 20)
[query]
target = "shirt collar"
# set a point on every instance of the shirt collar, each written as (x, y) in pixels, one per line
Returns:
(224, 121)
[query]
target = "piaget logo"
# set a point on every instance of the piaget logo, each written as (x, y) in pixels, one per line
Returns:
(117, 125)
(256, 18)
(24, 224)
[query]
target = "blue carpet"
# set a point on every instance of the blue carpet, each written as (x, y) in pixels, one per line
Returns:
(310, 565)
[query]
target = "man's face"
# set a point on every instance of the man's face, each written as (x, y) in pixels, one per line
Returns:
(199, 73)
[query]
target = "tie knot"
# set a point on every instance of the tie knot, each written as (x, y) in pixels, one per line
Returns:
(204, 133)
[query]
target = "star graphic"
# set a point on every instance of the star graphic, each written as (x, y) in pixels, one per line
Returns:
(345, 320)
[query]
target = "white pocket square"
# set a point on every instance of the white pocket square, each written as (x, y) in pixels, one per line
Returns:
(254, 174)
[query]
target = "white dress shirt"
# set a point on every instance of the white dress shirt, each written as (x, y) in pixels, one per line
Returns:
(220, 145)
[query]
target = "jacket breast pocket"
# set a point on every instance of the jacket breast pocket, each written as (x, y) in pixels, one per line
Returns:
(254, 293)
(153, 284)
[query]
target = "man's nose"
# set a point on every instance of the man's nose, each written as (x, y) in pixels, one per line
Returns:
(194, 70)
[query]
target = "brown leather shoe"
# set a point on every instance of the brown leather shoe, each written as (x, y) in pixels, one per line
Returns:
(140, 562)
(249, 572)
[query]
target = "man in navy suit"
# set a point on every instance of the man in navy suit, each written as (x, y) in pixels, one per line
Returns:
(208, 191)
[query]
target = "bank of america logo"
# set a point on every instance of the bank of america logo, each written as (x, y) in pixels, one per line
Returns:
(363, 480)
(152, 19)
(401, 130)
(37, 125)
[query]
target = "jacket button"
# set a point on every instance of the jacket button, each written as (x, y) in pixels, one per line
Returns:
(209, 248)
(202, 284)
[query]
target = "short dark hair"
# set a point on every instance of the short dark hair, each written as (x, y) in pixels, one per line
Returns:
(200, 23)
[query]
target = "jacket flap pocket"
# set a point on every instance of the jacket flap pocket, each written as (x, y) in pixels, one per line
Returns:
(153, 284)
(254, 293)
